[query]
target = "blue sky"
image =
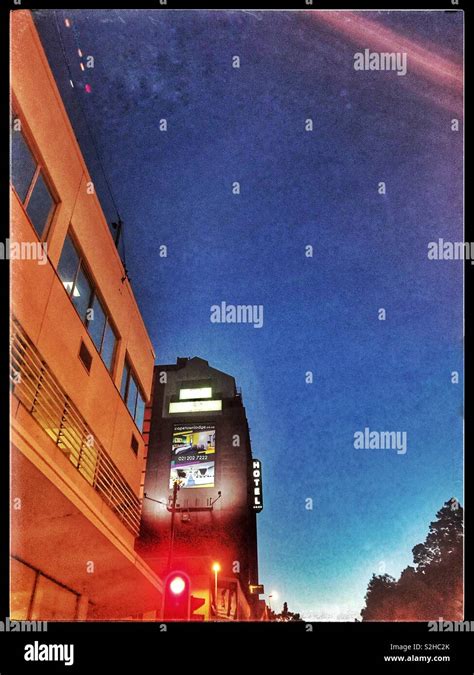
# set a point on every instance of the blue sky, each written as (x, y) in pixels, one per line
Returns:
(370, 507)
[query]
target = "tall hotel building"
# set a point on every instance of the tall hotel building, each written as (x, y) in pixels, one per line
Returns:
(82, 367)
(199, 439)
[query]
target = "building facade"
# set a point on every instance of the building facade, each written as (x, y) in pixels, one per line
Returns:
(199, 438)
(82, 368)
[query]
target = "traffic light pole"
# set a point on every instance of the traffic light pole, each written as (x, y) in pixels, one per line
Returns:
(173, 511)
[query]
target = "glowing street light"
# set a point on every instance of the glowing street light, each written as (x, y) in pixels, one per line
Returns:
(274, 595)
(216, 568)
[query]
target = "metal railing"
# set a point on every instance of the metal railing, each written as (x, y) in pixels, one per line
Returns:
(35, 386)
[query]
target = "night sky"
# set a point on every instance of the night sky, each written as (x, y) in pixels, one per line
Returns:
(370, 507)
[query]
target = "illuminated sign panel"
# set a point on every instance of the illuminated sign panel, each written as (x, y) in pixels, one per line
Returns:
(195, 406)
(257, 485)
(192, 455)
(201, 392)
(257, 589)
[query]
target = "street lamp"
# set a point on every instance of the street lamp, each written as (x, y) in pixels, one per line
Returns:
(216, 568)
(273, 594)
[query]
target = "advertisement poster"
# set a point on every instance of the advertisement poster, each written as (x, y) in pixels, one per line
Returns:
(192, 455)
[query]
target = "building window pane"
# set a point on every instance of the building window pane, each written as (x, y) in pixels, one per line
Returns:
(96, 323)
(40, 205)
(108, 346)
(132, 397)
(23, 165)
(90, 308)
(195, 406)
(68, 265)
(140, 412)
(200, 392)
(81, 295)
(123, 388)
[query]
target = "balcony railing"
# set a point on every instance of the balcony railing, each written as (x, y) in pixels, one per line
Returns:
(35, 386)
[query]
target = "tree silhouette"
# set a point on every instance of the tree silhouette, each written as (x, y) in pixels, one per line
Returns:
(432, 588)
(380, 593)
(285, 615)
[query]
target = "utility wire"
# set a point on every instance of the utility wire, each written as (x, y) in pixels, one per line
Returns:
(89, 130)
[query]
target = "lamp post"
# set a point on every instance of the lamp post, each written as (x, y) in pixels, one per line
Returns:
(274, 595)
(216, 568)
(173, 511)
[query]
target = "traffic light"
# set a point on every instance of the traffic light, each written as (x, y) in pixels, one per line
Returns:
(177, 597)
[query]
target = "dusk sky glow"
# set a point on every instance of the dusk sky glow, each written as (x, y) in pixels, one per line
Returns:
(370, 507)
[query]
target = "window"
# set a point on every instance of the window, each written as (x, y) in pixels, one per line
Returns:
(125, 377)
(97, 324)
(40, 205)
(132, 396)
(85, 356)
(108, 346)
(134, 444)
(28, 179)
(68, 265)
(23, 165)
(83, 294)
(101, 332)
(140, 412)
(200, 392)
(195, 406)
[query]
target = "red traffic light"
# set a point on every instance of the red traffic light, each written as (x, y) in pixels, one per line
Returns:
(177, 585)
(176, 597)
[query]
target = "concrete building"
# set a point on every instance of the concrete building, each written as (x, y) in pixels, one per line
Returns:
(199, 436)
(82, 367)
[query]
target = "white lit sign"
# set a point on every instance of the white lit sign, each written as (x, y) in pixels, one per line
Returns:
(195, 406)
(257, 485)
(203, 392)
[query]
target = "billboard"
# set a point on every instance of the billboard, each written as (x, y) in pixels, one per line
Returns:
(192, 455)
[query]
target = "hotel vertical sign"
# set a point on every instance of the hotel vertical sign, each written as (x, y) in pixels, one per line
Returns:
(257, 485)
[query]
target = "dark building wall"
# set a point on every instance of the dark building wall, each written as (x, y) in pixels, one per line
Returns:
(227, 533)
